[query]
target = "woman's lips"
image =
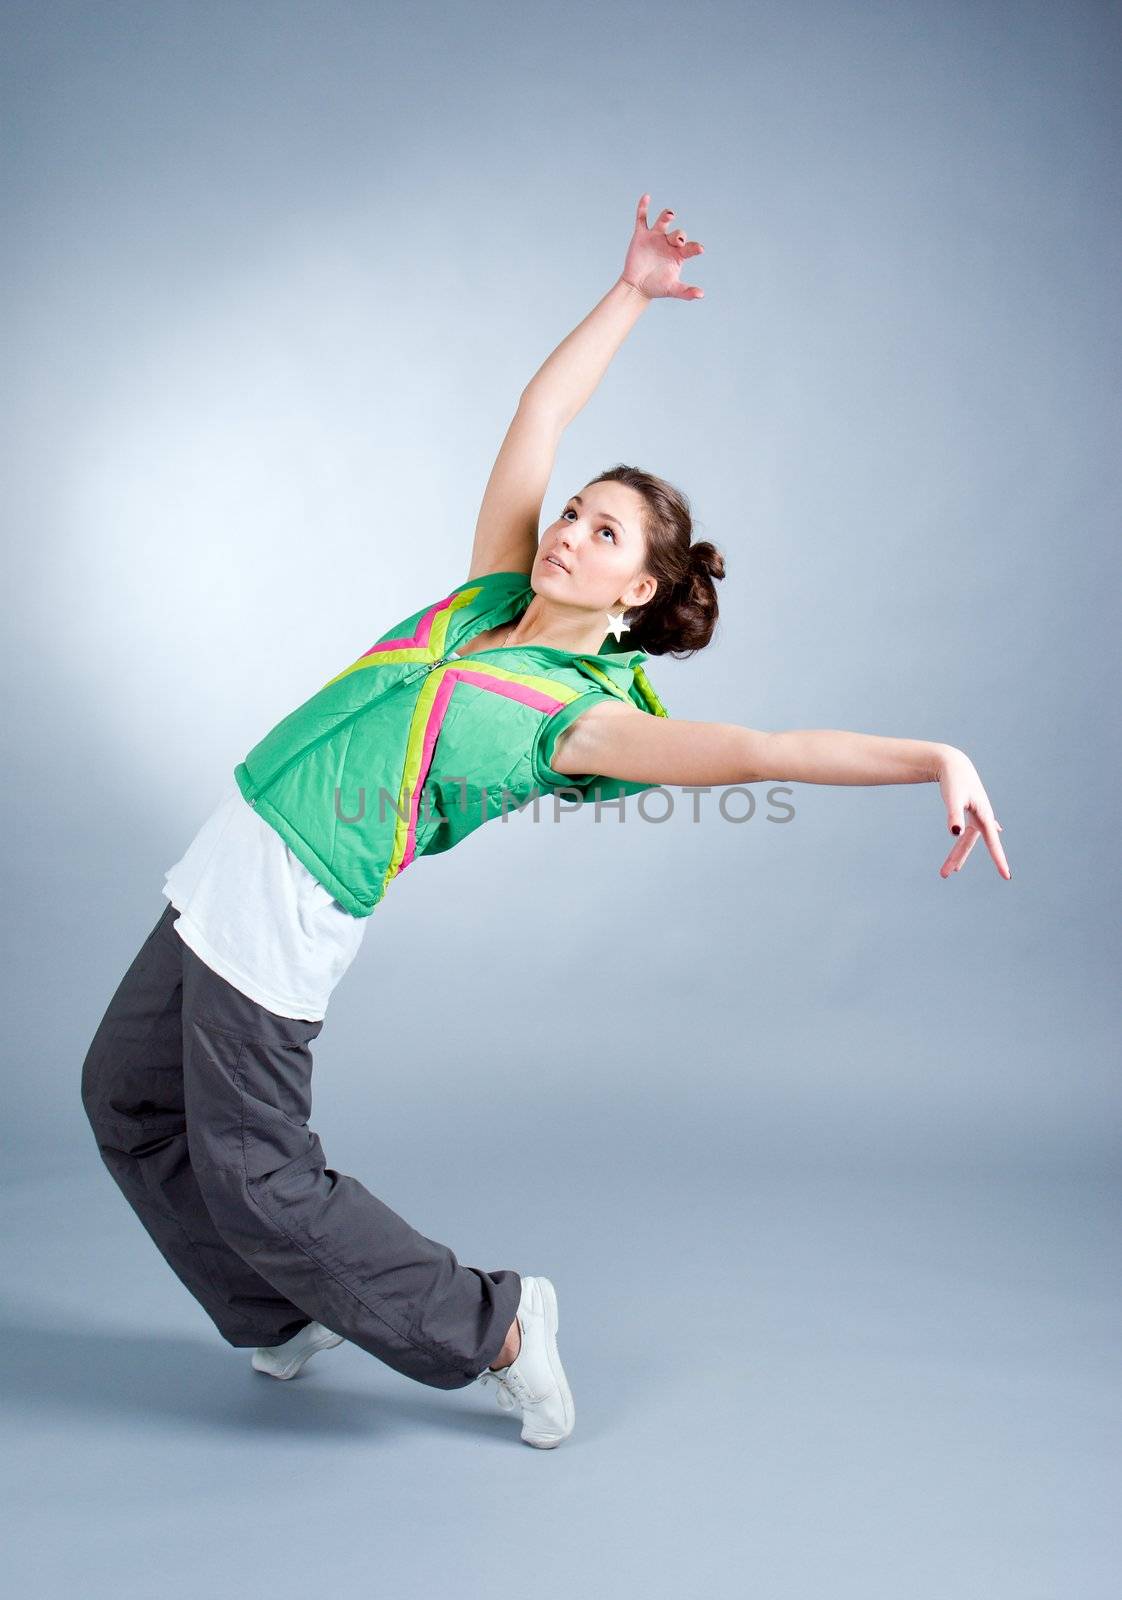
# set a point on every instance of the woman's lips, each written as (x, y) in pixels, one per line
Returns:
(553, 562)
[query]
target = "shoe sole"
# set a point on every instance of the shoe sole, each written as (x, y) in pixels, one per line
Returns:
(552, 1322)
(328, 1342)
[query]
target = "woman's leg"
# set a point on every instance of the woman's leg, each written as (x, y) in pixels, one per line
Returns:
(132, 1090)
(314, 1233)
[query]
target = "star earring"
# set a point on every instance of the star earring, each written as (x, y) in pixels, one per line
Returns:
(616, 624)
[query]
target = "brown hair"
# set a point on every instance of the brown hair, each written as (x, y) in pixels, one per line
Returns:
(680, 618)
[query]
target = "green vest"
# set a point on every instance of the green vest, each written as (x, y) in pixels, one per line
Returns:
(409, 749)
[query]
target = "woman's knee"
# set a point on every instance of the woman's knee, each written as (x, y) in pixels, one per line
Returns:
(220, 1174)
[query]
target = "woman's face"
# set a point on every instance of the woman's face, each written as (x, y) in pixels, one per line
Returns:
(593, 555)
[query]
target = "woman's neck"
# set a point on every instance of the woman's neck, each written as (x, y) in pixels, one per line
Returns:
(558, 628)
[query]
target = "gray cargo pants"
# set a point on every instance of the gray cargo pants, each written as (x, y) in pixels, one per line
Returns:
(199, 1100)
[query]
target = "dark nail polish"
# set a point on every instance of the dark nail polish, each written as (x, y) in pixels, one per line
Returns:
(956, 830)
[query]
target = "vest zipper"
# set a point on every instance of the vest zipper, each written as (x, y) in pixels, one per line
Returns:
(335, 727)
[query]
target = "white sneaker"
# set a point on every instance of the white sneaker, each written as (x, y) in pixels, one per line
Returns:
(285, 1360)
(535, 1379)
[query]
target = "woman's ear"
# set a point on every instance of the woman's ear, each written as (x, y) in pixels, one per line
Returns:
(639, 592)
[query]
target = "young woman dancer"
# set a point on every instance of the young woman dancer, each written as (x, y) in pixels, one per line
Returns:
(197, 1083)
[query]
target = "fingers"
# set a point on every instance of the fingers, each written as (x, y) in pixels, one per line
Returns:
(986, 828)
(993, 844)
(686, 291)
(983, 824)
(954, 820)
(959, 853)
(688, 247)
(971, 837)
(675, 237)
(962, 847)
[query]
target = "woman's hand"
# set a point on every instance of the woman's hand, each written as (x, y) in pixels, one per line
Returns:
(655, 257)
(969, 813)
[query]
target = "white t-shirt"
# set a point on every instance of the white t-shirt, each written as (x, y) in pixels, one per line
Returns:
(257, 916)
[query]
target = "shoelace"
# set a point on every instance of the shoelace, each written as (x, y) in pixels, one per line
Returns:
(512, 1388)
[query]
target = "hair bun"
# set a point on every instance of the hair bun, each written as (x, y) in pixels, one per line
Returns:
(706, 558)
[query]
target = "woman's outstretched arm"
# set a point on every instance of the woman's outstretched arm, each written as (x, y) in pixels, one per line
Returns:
(506, 532)
(655, 257)
(619, 741)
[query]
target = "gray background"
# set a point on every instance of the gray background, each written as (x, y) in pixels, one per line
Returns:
(819, 1149)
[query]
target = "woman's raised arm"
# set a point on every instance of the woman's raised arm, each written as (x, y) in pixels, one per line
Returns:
(618, 741)
(652, 270)
(506, 532)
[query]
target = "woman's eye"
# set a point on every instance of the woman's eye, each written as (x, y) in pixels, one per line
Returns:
(604, 529)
